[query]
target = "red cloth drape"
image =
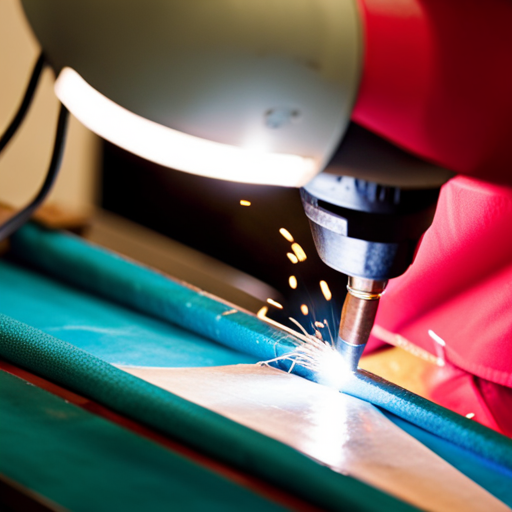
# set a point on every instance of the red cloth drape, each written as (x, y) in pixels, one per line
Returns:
(460, 288)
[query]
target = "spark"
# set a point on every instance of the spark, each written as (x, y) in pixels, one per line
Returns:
(299, 325)
(272, 302)
(230, 312)
(244, 202)
(286, 234)
(292, 257)
(325, 290)
(292, 281)
(304, 309)
(470, 415)
(437, 338)
(322, 359)
(299, 252)
(319, 324)
(262, 313)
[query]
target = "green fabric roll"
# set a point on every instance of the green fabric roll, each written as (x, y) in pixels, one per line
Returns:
(194, 425)
(86, 463)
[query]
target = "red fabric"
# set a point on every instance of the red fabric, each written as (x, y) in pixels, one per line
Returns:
(460, 288)
(437, 81)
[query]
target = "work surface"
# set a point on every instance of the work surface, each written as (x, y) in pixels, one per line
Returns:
(126, 337)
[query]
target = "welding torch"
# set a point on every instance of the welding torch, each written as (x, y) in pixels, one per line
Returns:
(368, 211)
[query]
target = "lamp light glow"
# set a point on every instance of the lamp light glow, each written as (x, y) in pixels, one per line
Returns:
(171, 148)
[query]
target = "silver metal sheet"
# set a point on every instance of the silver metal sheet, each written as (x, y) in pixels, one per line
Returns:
(349, 435)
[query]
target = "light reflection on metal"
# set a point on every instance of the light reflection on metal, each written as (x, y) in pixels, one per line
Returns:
(244, 202)
(274, 303)
(299, 252)
(292, 257)
(325, 290)
(292, 281)
(348, 435)
(286, 234)
(304, 309)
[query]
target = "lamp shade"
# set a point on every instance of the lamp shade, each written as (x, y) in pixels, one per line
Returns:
(257, 92)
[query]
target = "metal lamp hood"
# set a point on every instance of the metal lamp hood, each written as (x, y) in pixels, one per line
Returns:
(267, 86)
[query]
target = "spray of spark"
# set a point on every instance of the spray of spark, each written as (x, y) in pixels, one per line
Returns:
(314, 354)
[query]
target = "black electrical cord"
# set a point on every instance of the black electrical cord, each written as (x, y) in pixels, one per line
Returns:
(25, 104)
(18, 219)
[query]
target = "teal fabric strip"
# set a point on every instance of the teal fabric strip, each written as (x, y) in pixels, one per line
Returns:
(496, 479)
(86, 463)
(446, 424)
(203, 429)
(108, 275)
(106, 329)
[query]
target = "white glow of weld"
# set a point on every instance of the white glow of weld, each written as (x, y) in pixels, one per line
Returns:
(322, 359)
(175, 149)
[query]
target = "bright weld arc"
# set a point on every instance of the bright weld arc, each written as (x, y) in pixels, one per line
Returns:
(292, 257)
(292, 281)
(286, 234)
(314, 354)
(325, 290)
(299, 252)
(319, 357)
(272, 302)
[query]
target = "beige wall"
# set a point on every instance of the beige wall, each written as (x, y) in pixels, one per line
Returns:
(24, 161)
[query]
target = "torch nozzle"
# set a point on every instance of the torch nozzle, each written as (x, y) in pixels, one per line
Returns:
(357, 317)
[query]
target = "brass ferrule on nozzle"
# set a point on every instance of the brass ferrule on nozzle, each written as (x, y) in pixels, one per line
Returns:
(357, 317)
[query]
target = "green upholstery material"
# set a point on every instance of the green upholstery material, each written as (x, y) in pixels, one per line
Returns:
(203, 429)
(86, 463)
